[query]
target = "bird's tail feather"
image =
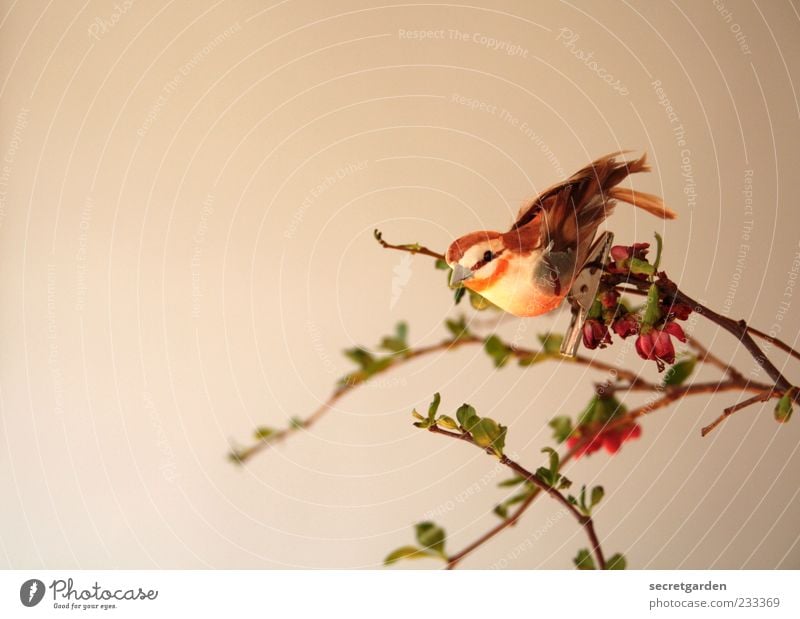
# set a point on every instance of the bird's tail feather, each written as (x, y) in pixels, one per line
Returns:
(645, 201)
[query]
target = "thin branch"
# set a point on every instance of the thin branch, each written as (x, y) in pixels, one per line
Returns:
(413, 248)
(775, 342)
(760, 397)
(585, 521)
(706, 356)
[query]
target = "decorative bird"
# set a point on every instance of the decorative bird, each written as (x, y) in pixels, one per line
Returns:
(529, 270)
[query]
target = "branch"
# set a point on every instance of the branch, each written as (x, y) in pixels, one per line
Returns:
(413, 248)
(585, 521)
(759, 397)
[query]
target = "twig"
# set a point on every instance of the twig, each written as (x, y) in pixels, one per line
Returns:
(775, 342)
(707, 356)
(413, 248)
(760, 397)
(585, 521)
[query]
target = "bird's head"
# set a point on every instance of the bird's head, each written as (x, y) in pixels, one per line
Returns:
(478, 260)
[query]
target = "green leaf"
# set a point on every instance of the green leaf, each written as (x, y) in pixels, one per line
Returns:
(597, 495)
(404, 552)
(641, 267)
(545, 475)
(501, 510)
(431, 537)
(362, 357)
(396, 343)
(459, 294)
(584, 560)
(678, 373)
(441, 264)
(458, 328)
(480, 303)
(783, 409)
(467, 417)
(447, 422)
(551, 343)
(434, 406)
(497, 350)
(488, 433)
(554, 459)
(617, 562)
(659, 247)
(651, 310)
(562, 427)
(262, 433)
(296, 423)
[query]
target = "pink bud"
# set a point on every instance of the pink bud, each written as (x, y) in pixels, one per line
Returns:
(620, 252)
(626, 325)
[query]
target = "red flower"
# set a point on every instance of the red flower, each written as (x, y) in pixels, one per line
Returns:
(611, 439)
(679, 310)
(609, 299)
(595, 334)
(657, 345)
(625, 252)
(626, 325)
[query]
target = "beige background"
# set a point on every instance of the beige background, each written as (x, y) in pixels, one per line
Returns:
(170, 280)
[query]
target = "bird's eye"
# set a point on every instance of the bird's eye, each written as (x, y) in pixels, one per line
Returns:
(487, 256)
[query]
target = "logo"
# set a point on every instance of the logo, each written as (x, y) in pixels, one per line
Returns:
(31, 592)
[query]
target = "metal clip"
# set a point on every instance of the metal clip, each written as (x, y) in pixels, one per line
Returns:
(584, 290)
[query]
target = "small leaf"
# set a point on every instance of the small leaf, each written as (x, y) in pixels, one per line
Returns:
(562, 427)
(616, 562)
(441, 264)
(362, 357)
(487, 433)
(497, 350)
(551, 343)
(641, 267)
(447, 422)
(651, 310)
(501, 510)
(404, 552)
(783, 409)
(564, 482)
(678, 373)
(659, 247)
(467, 417)
(597, 495)
(434, 406)
(262, 433)
(584, 560)
(459, 294)
(554, 459)
(396, 343)
(545, 475)
(458, 328)
(431, 537)
(296, 423)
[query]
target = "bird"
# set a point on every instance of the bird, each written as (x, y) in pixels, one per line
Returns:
(529, 270)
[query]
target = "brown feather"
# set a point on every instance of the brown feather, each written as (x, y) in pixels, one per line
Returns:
(572, 210)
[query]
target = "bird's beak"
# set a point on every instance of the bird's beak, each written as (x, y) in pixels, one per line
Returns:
(460, 273)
